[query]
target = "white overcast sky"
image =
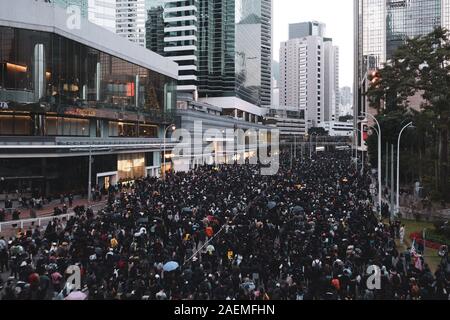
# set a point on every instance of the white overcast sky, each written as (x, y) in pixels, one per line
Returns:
(336, 14)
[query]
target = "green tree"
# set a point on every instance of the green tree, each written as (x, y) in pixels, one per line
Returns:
(420, 67)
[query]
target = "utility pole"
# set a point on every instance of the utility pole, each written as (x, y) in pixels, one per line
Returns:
(392, 180)
(295, 147)
(90, 176)
(386, 183)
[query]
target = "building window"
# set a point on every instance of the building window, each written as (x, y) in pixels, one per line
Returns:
(14, 125)
(60, 126)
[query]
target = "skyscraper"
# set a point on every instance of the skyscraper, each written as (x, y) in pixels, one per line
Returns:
(381, 26)
(103, 13)
(331, 75)
(223, 47)
(304, 29)
(408, 19)
(180, 40)
(154, 26)
(446, 14)
(302, 77)
(82, 4)
(309, 76)
(235, 49)
(130, 20)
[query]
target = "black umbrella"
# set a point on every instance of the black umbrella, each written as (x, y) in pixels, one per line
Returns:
(186, 210)
(143, 221)
(271, 205)
(298, 210)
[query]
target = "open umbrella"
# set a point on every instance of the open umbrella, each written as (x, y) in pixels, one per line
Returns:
(249, 286)
(186, 210)
(142, 220)
(298, 210)
(171, 266)
(210, 249)
(271, 205)
(76, 295)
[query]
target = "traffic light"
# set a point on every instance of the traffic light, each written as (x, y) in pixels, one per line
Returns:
(374, 78)
(365, 132)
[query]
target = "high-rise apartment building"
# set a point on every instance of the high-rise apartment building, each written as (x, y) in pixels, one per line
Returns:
(346, 96)
(309, 73)
(180, 40)
(331, 68)
(130, 20)
(103, 13)
(302, 77)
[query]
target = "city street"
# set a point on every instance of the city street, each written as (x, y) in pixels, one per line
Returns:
(314, 221)
(202, 151)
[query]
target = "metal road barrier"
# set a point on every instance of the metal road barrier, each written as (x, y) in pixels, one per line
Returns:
(39, 221)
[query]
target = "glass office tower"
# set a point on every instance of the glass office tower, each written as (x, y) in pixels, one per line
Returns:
(381, 26)
(409, 19)
(235, 49)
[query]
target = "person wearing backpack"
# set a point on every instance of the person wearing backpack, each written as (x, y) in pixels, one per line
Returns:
(3, 255)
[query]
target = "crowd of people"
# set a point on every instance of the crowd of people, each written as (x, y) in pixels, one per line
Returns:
(228, 233)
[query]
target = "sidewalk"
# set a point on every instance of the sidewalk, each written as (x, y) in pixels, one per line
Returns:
(10, 228)
(47, 209)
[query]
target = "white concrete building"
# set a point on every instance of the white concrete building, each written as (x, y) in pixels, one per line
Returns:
(331, 67)
(338, 129)
(103, 13)
(302, 77)
(130, 20)
(289, 120)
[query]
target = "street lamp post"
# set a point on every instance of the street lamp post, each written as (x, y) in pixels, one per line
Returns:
(379, 159)
(362, 155)
(172, 126)
(295, 147)
(310, 144)
(397, 208)
(355, 138)
(90, 176)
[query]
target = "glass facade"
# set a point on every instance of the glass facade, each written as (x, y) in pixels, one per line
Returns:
(235, 50)
(381, 26)
(82, 4)
(216, 49)
(410, 18)
(446, 14)
(154, 27)
(373, 31)
(43, 73)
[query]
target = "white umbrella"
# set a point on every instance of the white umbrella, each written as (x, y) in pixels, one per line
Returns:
(76, 295)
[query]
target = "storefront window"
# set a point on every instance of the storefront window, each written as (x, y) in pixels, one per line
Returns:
(131, 166)
(59, 126)
(76, 75)
(148, 131)
(11, 125)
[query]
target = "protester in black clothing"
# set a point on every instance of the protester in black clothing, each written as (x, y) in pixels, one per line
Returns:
(309, 232)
